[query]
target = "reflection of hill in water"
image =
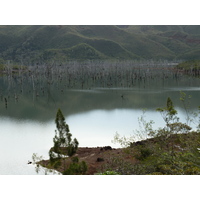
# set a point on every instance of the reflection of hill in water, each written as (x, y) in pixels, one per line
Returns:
(44, 107)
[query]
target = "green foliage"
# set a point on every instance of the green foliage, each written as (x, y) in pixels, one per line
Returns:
(36, 159)
(62, 139)
(1, 67)
(192, 54)
(173, 149)
(198, 120)
(119, 165)
(83, 51)
(173, 126)
(191, 64)
(63, 145)
(75, 159)
(191, 67)
(145, 131)
(168, 113)
(76, 168)
(108, 173)
(18, 67)
(143, 153)
(123, 141)
(1, 64)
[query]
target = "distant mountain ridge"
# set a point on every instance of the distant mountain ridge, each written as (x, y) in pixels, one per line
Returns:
(46, 43)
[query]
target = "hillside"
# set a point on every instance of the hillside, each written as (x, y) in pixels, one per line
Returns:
(30, 44)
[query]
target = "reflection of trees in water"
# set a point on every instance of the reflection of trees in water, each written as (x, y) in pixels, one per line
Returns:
(84, 75)
(50, 83)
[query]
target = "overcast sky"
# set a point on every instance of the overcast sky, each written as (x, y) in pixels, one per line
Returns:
(108, 12)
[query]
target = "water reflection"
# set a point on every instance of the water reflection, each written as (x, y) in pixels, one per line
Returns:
(74, 102)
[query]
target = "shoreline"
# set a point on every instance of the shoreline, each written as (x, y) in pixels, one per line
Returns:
(173, 155)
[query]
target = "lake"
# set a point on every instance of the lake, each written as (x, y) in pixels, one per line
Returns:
(95, 110)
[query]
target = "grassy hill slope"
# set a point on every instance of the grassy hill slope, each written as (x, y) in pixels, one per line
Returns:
(183, 41)
(44, 43)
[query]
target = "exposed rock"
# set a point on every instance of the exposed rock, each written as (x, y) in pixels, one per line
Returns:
(140, 143)
(100, 159)
(106, 148)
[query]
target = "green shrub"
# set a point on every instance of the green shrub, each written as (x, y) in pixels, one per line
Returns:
(76, 168)
(145, 152)
(75, 159)
(173, 149)
(108, 173)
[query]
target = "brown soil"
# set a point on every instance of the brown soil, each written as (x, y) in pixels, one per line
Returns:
(99, 159)
(96, 158)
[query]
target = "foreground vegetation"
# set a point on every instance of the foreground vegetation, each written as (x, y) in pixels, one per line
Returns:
(171, 150)
(60, 155)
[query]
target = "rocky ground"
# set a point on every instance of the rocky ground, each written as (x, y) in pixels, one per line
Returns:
(96, 158)
(175, 154)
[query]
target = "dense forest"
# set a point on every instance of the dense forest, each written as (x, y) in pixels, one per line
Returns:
(37, 43)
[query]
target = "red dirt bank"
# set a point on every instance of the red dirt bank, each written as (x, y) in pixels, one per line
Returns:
(95, 157)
